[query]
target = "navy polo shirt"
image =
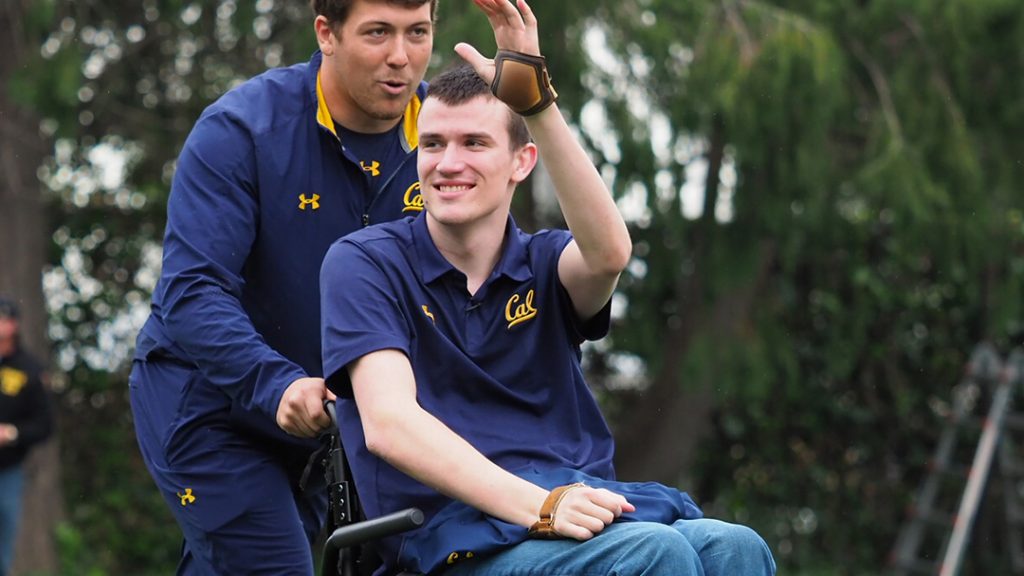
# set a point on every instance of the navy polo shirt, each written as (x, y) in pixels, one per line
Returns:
(501, 368)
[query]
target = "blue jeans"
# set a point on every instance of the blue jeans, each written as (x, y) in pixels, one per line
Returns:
(10, 512)
(702, 547)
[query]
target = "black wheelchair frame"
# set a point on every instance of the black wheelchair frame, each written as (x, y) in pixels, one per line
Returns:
(348, 549)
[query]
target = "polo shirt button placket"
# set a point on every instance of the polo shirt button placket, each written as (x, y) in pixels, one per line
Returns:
(475, 330)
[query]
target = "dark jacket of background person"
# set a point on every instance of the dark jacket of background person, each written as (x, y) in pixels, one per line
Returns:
(23, 403)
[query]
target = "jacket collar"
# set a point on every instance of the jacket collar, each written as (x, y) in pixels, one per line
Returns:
(410, 136)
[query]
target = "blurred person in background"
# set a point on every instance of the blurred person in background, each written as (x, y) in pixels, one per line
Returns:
(25, 420)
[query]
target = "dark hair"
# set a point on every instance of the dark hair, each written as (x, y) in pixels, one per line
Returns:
(460, 84)
(336, 11)
(8, 309)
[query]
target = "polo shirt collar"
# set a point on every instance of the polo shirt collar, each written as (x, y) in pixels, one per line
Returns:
(432, 265)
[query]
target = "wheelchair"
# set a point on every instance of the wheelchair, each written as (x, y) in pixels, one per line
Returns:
(348, 550)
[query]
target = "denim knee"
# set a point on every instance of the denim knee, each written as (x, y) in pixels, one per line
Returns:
(726, 548)
(650, 549)
(757, 556)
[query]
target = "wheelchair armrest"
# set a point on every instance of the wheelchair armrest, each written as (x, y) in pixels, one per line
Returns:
(367, 530)
(375, 528)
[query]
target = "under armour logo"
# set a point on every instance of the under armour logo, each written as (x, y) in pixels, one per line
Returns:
(373, 168)
(313, 202)
(187, 497)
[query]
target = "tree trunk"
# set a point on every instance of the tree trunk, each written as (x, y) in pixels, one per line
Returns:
(659, 436)
(669, 420)
(23, 233)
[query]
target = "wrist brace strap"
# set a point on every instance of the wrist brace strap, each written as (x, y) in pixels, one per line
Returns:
(545, 527)
(522, 82)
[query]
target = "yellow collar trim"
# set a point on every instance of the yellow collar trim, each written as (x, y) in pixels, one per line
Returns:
(412, 114)
(323, 115)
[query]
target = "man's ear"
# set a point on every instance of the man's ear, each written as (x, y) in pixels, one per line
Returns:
(525, 160)
(324, 35)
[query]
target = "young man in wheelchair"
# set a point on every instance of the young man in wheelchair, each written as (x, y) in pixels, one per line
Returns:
(452, 341)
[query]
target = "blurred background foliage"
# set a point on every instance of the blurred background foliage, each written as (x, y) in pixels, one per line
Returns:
(824, 195)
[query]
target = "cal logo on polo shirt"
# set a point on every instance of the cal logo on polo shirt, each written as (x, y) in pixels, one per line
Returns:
(413, 200)
(456, 556)
(517, 312)
(428, 313)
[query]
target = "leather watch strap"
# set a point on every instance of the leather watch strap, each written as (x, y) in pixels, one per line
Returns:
(545, 526)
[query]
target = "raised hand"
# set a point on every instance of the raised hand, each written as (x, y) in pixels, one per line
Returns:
(514, 29)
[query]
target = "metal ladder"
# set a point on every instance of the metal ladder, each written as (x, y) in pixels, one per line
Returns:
(932, 524)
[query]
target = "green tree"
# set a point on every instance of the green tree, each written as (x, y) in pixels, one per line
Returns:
(860, 232)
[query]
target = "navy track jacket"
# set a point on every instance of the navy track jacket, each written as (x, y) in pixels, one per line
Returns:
(262, 188)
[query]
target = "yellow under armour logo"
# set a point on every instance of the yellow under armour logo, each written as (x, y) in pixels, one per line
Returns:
(186, 498)
(314, 202)
(413, 200)
(373, 168)
(428, 313)
(517, 313)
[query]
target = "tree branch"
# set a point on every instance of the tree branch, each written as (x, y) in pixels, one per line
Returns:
(937, 76)
(748, 50)
(881, 85)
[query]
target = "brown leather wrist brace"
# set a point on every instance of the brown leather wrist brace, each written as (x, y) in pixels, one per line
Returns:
(545, 527)
(522, 82)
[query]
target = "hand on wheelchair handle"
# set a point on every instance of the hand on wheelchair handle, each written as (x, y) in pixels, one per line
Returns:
(300, 412)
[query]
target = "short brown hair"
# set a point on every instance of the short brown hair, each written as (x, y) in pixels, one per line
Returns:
(460, 84)
(336, 11)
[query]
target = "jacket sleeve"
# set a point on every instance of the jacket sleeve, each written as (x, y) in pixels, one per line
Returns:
(212, 221)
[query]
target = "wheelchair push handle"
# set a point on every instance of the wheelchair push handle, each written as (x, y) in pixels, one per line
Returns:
(332, 411)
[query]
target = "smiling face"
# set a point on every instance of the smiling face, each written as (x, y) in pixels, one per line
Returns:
(467, 166)
(373, 62)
